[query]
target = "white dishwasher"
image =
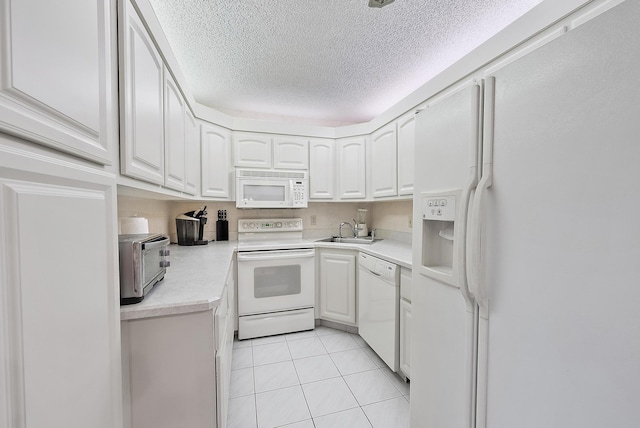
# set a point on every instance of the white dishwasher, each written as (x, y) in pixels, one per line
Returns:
(378, 307)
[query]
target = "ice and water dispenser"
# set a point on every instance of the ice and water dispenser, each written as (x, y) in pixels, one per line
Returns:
(438, 227)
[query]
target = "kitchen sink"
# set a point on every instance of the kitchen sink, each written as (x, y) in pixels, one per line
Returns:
(337, 239)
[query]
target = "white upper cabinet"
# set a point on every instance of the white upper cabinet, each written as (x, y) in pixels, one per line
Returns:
(191, 153)
(322, 162)
(216, 162)
(351, 168)
(174, 134)
(290, 153)
(57, 85)
(383, 161)
(141, 98)
(252, 150)
(406, 161)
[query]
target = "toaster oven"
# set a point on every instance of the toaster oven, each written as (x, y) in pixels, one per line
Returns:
(143, 263)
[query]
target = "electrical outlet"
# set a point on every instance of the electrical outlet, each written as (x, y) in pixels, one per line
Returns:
(410, 221)
(313, 220)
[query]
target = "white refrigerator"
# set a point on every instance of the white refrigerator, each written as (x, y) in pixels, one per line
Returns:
(526, 244)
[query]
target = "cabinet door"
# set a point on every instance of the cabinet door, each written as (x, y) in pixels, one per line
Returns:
(60, 335)
(321, 169)
(290, 153)
(383, 162)
(252, 150)
(351, 168)
(406, 161)
(57, 86)
(224, 348)
(405, 337)
(141, 86)
(338, 287)
(215, 160)
(191, 153)
(173, 134)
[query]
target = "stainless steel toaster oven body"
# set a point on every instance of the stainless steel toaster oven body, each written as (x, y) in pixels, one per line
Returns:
(143, 263)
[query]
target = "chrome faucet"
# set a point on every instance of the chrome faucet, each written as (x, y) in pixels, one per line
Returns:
(353, 230)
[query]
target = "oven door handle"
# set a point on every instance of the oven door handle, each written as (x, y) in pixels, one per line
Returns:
(275, 255)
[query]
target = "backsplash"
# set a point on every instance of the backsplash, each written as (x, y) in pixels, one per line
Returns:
(390, 218)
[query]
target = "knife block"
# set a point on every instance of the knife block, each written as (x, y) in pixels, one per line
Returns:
(222, 230)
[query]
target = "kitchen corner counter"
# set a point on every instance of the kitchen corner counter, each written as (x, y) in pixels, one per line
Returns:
(194, 282)
(393, 251)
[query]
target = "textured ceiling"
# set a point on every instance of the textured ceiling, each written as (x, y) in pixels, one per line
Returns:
(328, 61)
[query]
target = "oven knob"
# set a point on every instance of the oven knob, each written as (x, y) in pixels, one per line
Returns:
(252, 225)
(289, 224)
(278, 224)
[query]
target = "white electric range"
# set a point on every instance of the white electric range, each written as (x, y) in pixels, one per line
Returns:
(276, 274)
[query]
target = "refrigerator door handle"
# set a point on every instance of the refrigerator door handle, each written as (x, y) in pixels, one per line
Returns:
(475, 268)
(475, 264)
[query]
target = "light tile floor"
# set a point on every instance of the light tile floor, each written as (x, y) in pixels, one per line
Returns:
(324, 378)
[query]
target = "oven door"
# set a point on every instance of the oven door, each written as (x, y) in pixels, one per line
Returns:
(270, 281)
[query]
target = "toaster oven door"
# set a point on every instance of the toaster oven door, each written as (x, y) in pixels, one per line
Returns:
(154, 262)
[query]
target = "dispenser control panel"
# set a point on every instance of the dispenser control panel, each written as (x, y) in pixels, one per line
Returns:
(439, 208)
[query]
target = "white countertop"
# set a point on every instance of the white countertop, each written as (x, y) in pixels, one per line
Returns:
(194, 282)
(196, 278)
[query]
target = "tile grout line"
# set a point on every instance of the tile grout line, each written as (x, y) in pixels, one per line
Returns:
(385, 375)
(255, 394)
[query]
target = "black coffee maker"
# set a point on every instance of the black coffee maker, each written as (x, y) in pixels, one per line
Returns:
(190, 227)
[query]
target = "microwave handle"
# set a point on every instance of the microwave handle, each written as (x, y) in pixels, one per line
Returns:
(155, 244)
(291, 193)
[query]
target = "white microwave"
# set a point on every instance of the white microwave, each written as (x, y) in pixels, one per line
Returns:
(259, 188)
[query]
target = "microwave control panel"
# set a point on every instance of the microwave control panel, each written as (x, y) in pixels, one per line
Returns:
(299, 194)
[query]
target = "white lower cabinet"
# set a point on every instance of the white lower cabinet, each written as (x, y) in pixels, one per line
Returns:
(405, 337)
(59, 300)
(405, 321)
(177, 368)
(338, 286)
(225, 315)
(169, 371)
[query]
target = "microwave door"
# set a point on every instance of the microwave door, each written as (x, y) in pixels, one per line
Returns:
(265, 194)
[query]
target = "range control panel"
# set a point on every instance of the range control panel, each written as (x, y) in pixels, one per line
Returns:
(439, 208)
(270, 225)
